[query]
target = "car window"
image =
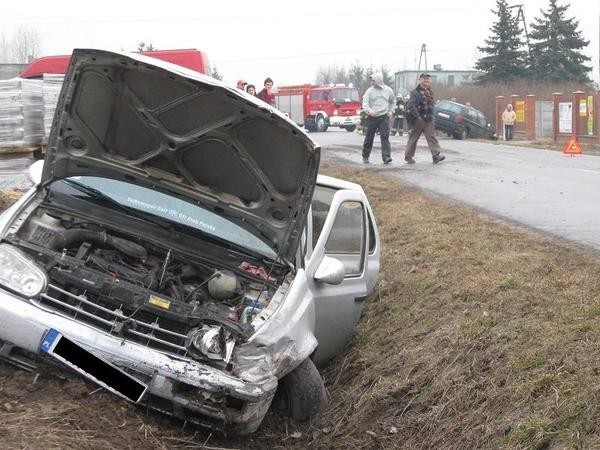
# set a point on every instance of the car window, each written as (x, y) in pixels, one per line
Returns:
(472, 115)
(321, 203)
(447, 106)
(176, 210)
(346, 241)
(372, 241)
(315, 95)
(345, 95)
(481, 119)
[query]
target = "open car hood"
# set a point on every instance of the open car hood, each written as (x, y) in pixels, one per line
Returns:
(137, 119)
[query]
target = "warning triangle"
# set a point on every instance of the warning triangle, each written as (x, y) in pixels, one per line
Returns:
(572, 147)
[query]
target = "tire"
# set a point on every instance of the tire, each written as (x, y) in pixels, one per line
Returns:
(304, 392)
(464, 134)
(350, 128)
(321, 125)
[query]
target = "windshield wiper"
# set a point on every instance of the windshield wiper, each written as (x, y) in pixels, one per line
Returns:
(99, 195)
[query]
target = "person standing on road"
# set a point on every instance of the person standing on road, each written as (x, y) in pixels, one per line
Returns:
(378, 102)
(509, 118)
(398, 125)
(420, 119)
(265, 95)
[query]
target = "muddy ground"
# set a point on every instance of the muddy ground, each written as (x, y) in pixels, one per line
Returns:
(480, 334)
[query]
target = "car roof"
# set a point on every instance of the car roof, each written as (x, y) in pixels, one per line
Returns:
(325, 180)
(461, 105)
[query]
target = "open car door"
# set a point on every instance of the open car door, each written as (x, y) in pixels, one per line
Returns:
(343, 265)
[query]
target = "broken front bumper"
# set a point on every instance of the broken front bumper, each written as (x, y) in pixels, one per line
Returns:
(181, 387)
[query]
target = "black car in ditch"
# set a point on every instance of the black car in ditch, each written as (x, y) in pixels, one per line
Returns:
(461, 121)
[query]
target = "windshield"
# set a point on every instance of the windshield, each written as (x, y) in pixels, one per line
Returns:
(345, 95)
(176, 210)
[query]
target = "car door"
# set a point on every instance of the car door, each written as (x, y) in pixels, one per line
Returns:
(342, 229)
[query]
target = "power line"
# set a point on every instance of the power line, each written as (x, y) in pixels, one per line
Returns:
(334, 53)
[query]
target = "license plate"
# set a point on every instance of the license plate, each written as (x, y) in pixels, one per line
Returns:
(444, 115)
(92, 367)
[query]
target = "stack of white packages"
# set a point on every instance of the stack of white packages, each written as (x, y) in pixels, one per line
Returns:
(12, 121)
(52, 83)
(21, 113)
(33, 111)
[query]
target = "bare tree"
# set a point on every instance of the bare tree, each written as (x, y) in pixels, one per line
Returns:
(214, 72)
(25, 45)
(143, 47)
(5, 49)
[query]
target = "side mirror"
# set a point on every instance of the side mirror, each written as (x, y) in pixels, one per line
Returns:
(35, 172)
(330, 271)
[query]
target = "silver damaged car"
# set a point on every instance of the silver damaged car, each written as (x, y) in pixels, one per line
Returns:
(179, 249)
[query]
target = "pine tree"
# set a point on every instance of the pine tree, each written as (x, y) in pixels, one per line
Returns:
(504, 58)
(556, 50)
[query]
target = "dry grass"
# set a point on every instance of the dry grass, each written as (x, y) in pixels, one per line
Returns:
(479, 335)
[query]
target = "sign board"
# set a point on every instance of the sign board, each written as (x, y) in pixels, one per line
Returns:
(572, 147)
(520, 110)
(565, 117)
(590, 109)
(582, 107)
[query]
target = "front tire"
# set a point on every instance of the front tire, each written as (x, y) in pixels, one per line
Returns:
(464, 134)
(304, 392)
(350, 128)
(321, 124)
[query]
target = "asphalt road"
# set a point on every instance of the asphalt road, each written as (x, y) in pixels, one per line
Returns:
(539, 188)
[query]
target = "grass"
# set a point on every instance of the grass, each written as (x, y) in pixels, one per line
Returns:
(479, 334)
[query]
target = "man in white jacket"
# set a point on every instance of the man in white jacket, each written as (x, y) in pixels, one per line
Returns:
(379, 102)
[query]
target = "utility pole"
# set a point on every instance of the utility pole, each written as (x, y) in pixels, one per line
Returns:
(521, 17)
(423, 55)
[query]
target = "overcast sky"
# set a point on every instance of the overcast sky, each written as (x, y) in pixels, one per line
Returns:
(285, 40)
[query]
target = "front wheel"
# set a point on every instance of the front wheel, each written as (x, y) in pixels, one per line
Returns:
(464, 134)
(321, 125)
(304, 392)
(350, 128)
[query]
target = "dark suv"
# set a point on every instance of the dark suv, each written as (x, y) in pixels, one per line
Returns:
(462, 121)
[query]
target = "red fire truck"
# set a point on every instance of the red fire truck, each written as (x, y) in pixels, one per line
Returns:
(318, 108)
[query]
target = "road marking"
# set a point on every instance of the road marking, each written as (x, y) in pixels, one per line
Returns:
(589, 171)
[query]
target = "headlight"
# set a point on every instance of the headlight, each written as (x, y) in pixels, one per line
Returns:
(19, 273)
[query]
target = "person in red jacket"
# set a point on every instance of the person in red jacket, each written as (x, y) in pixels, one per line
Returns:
(265, 95)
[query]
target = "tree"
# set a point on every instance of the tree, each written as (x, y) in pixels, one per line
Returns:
(143, 47)
(503, 57)
(214, 72)
(556, 50)
(25, 45)
(356, 75)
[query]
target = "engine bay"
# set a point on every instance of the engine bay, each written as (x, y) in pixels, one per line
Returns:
(143, 290)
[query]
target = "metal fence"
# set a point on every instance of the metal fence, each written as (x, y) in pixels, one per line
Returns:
(543, 119)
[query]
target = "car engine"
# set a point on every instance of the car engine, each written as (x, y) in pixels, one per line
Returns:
(142, 291)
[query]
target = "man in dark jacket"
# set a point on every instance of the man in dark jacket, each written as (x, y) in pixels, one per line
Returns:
(265, 95)
(419, 115)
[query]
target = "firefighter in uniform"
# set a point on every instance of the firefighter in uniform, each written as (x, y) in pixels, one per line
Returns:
(363, 122)
(398, 125)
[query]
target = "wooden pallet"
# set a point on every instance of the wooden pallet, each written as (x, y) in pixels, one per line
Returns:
(15, 151)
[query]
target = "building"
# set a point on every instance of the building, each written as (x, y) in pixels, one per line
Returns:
(406, 80)
(8, 70)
